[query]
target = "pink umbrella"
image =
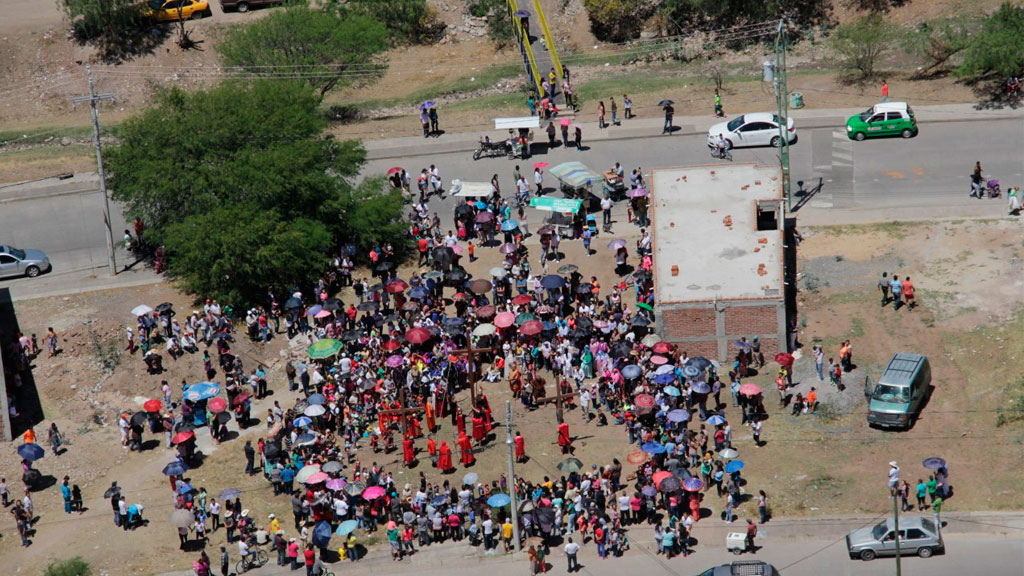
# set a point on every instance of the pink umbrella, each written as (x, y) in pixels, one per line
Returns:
(637, 193)
(658, 360)
(373, 492)
(531, 328)
(394, 361)
(504, 319)
(336, 484)
(564, 121)
(750, 389)
(541, 165)
(323, 314)
(318, 478)
(457, 249)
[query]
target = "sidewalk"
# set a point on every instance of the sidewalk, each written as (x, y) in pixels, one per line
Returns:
(643, 127)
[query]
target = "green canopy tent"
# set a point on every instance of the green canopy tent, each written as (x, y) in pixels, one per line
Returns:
(559, 205)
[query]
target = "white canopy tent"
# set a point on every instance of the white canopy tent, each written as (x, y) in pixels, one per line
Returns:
(520, 122)
(471, 189)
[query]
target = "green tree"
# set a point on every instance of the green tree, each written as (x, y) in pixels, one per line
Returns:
(939, 42)
(499, 23)
(225, 178)
(689, 15)
(118, 29)
(618, 20)
(409, 21)
(322, 48)
(999, 47)
(861, 44)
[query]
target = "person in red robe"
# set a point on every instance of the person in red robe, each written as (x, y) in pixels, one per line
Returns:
(414, 426)
(563, 438)
(431, 423)
(432, 450)
(485, 405)
(444, 459)
(407, 451)
(466, 446)
(520, 443)
(695, 506)
(478, 427)
(460, 421)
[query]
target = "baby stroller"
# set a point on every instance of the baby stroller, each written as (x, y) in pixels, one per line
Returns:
(592, 224)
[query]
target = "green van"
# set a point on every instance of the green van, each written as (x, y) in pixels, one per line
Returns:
(886, 119)
(900, 393)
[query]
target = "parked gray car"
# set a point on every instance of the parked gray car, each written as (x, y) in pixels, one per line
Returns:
(918, 535)
(245, 5)
(16, 262)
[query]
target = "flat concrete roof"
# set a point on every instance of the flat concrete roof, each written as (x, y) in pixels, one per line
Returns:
(704, 220)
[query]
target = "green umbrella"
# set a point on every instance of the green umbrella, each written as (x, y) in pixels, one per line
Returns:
(324, 348)
(645, 306)
(524, 317)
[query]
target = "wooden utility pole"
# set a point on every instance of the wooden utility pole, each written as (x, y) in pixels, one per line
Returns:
(470, 352)
(558, 400)
(404, 411)
(92, 99)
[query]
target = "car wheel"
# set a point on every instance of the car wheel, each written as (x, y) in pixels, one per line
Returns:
(859, 136)
(728, 144)
(775, 142)
(242, 7)
(867, 555)
(197, 15)
(32, 271)
(908, 133)
(924, 552)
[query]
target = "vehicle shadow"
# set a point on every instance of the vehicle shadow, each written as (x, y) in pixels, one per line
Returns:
(16, 374)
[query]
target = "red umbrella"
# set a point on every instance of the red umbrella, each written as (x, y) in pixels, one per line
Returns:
(531, 328)
(749, 389)
(396, 286)
(417, 335)
(522, 300)
(153, 405)
(183, 437)
(242, 397)
(784, 359)
(459, 296)
(658, 360)
(217, 404)
(662, 348)
(393, 169)
(486, 311)
(504, 319)
(644, 401)
(392, 345)
(659, 476)
(541, 165)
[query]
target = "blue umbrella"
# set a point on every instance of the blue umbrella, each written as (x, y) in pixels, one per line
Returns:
(302, 421)
(305, 439)
(498, 500)
(734, 466)
(678, 415)
(346, 527)
(231, 493)
(185, 488)
(439, 500)
(509, 225)
(690, 371)
(31, 451)
(700, 387)
(549, 326)
(665, 378)
(480, 205)
(470, 478)
(316, 399)
(201, 391)
(427, 104)
(454, 321)
(653, 448)
(322, 534)
(176, 468)
(417, 292)
(649, 491)
(715, 420)
(552, 281)
(671, 390)
(313, 311)
(631, 372)
(700, 362)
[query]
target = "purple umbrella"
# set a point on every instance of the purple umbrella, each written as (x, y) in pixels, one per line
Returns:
(427, 105)
(678, 415)
(700, 387)
(649, 491)
(693, 484)
(394, 361)
(637, 193)
(484, 217)
(336, 484)
(616, 244)
(934, 463)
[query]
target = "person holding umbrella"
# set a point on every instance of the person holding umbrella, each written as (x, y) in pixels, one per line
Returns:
(669, 112)
(425, 122)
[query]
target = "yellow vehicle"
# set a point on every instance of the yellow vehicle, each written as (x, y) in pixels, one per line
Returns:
(173, 10)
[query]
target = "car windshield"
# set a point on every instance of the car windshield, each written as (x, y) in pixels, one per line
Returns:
(866, 114)
(878, 531)
(887, 393)
(19, 254)
(735, 123)
(928, 525)
(156, 4)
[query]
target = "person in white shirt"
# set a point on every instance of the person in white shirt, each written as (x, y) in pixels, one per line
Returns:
(571, 549)
(538, 179)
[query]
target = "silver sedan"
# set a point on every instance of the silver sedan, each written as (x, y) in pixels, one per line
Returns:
(17, 262)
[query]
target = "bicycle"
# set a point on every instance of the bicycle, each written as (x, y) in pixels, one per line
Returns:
(257, 557)
(724, 154)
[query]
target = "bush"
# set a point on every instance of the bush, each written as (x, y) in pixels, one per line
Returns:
(408, 21)
(70, 567)
(999, 47)
(861, 44)
(939, 42)
(116, 28)
(618, 20)
(499, 25)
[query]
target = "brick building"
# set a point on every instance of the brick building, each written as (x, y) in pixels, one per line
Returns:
(720, 261)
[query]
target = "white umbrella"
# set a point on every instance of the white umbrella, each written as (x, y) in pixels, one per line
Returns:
(181, 518)
(306, 472)
(485, 330)
(499, 272)
(728, 454)
(141, 310)
(314, 410)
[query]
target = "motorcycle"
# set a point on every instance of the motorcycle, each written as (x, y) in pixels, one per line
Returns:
(488, 149)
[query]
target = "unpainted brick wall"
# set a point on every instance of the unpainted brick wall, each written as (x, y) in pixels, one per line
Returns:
(752, 320)
(689, 323)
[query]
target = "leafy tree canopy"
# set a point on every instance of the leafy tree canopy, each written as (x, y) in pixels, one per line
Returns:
(323, 48)
(408, 21)
(118, 29)
(243, 190)
(999, 47)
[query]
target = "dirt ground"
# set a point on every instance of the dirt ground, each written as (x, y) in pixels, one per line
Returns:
(828, 463)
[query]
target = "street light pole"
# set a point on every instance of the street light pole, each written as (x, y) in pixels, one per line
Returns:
(92, 99)
(896, 530)
(512, 475)
(781, 100)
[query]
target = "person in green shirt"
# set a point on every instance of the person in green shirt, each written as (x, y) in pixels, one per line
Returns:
(936, 508)
(933, 485)
(395, 541)
(922, 489)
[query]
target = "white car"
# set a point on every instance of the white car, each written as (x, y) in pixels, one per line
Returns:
(758, 129)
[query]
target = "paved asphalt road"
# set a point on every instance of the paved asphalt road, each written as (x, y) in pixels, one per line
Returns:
(926, 176)
(884, 179)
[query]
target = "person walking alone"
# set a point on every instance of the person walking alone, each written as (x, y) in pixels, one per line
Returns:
(628, 104)
(615, 113)
(600, 115)
(571, 550)
(669, 112)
